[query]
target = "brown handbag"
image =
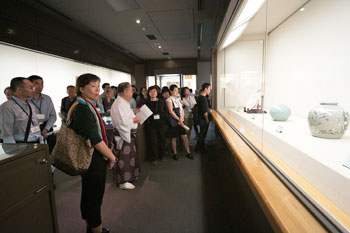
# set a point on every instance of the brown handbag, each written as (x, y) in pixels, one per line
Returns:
(72, 153)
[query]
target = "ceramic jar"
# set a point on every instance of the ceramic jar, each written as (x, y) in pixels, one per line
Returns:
(328, 120)
(280, 112)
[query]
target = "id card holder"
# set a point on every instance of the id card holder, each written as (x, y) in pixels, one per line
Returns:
(40, 116)
(35, 129)
(156, 117)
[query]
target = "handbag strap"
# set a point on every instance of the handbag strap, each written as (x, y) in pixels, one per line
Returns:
(70, 113)
(28, 123)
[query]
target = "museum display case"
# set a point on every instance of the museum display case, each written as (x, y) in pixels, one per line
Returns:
(27, 191)
(282, 73)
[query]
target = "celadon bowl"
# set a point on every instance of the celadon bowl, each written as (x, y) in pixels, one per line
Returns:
(280, 112)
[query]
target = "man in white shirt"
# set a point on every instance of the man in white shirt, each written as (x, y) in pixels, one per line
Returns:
(124, 123)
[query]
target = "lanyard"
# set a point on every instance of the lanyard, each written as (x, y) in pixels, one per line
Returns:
(157, 107)
(39, 108)
(23, 109)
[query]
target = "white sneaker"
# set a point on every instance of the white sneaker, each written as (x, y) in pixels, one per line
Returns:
(127, 185)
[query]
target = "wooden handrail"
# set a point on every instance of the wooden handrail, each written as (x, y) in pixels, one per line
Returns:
(283, 210)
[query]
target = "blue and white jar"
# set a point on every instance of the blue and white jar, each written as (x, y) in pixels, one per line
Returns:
(328, 120)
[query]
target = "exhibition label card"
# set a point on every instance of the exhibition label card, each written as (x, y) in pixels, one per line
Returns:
(347, 163)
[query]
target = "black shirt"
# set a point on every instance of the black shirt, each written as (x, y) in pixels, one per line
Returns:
(157, 107)
(203, 107)
(65, 105)
(84, 124)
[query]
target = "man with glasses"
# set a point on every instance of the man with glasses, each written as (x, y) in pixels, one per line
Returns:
(19, 121)
(44, 109)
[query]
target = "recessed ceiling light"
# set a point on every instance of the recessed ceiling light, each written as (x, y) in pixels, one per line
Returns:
(159, 46)
(143, 28)
(302, 9)
(138, 21)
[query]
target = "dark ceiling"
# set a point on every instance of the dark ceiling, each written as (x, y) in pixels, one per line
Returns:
(175, 29)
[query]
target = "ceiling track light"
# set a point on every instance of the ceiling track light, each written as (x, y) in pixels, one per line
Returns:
(248, 12)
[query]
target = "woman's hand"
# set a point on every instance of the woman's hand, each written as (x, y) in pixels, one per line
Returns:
(181, 121)
(111, 163)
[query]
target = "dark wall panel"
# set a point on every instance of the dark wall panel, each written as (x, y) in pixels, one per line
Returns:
(184, 66)
(26, 26)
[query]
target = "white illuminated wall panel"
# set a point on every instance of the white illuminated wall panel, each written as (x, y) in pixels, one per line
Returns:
(57, 72)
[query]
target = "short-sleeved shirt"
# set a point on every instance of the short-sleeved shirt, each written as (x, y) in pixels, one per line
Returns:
(176, 103)
(44, 105)
(66, 103)
(203, 107)
(157, 107)
(14, 119)
(189, 103)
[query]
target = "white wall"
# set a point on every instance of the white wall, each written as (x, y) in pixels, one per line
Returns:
(243, 72)
(308, 58)
(203, 73)
(220, 79)
(57, 73)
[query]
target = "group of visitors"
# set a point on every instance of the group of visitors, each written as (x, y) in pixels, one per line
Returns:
(28, 116)
(173, 117)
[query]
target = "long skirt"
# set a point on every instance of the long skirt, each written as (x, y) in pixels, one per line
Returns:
(127, 168)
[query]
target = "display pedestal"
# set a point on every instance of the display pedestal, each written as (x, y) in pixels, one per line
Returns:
(318, 160)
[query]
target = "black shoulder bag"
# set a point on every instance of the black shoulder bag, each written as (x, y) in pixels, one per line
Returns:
(173, 121)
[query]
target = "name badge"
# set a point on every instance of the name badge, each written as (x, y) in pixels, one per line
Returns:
(156, 117)
(35, 129)
(40, 116)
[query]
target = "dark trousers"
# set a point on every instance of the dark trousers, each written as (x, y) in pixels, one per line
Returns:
(203, 125)
(157, 138)
(195, 127)
(93, 188)
(51, 140)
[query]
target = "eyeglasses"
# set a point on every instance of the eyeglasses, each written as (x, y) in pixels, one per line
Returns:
(30, 87)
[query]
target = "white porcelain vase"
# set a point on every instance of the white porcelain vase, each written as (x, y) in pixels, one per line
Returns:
(328, 120)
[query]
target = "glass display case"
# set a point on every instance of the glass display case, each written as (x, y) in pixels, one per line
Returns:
(283, 82)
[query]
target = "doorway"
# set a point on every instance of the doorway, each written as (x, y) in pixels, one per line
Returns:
(167, 80)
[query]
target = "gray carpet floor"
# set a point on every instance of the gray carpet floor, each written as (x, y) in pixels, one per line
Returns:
(207, 194)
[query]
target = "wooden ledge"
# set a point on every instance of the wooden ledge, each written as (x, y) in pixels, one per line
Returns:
(283, 210)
